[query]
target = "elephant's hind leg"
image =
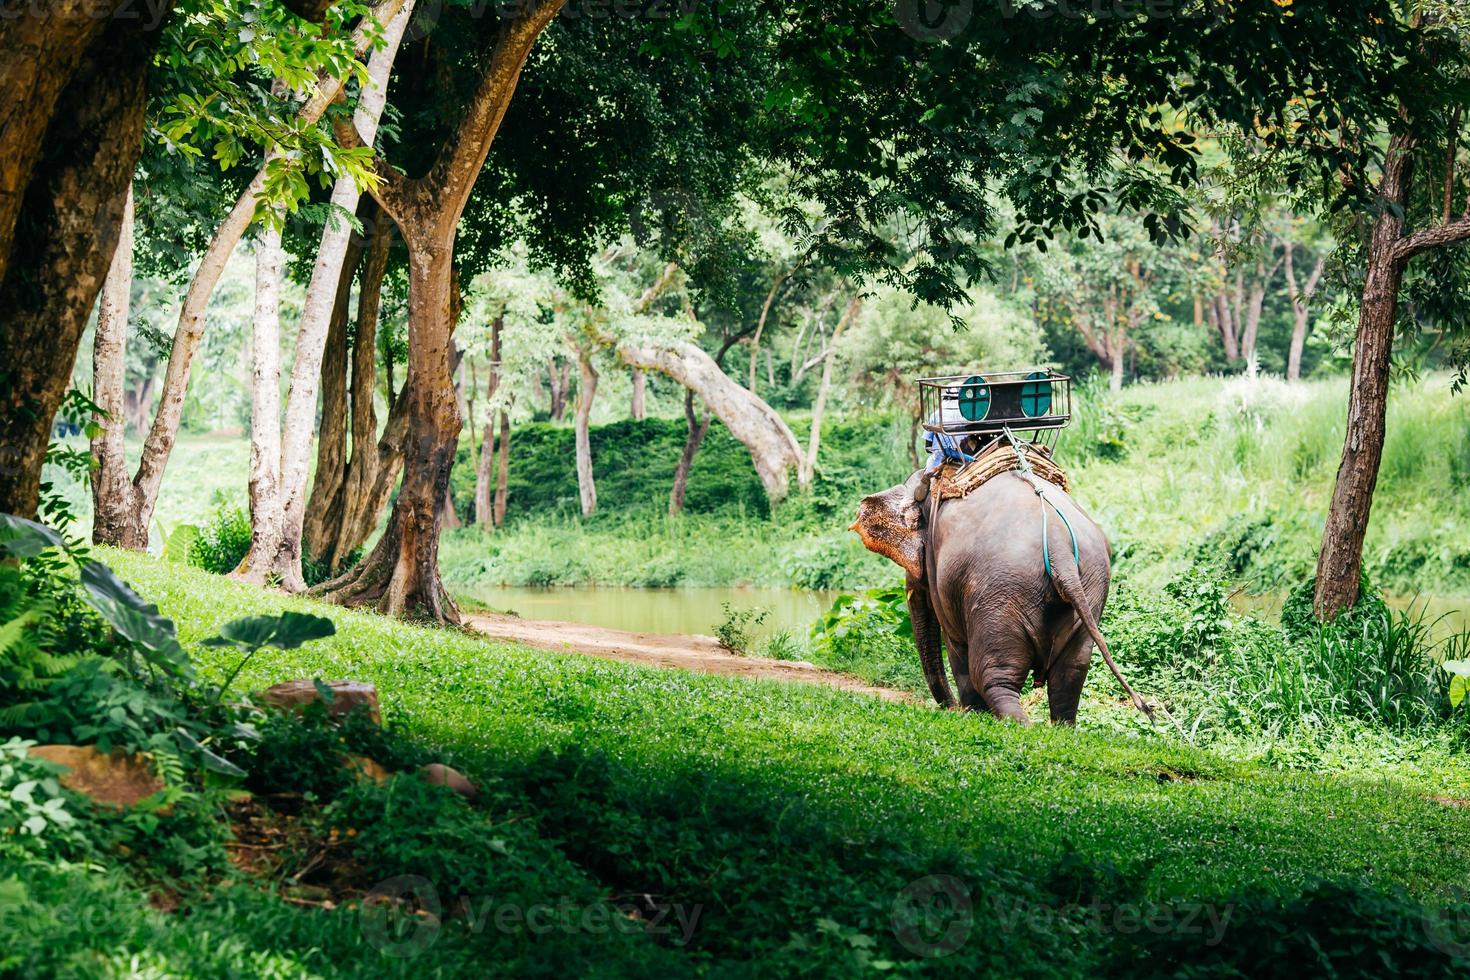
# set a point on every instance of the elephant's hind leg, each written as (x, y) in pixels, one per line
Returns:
(1068, 673)
(1000, 662)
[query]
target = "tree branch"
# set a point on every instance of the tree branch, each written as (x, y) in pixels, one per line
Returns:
(1431, 238)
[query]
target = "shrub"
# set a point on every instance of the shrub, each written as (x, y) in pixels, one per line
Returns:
(223, 542)
(733, 631)
(870, 635)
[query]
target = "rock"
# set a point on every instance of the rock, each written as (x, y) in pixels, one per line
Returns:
(114, 779)
(346, 696)
(441, 775)
(370, 769)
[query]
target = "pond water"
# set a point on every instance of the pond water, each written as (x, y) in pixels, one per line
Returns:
(1445, 615)
(678, 611)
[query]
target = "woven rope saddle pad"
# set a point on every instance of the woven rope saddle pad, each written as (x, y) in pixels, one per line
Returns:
(956, 480)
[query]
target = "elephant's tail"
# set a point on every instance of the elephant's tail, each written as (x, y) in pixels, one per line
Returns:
(1067, 577)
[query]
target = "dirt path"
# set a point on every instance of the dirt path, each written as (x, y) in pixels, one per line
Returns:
(697, 653)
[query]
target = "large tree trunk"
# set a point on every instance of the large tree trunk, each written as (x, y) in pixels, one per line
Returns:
(1255, 304)
(586, 392)
(1225, 318)
(68, 146)
(698, 429)
(773, 448)
(1340, 561)
(266, 516)
(112, 489)
(401, 575)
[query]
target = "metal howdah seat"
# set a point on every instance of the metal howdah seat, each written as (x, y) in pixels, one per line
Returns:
(969, 411)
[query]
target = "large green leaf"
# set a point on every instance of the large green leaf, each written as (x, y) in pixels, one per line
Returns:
(136, 620)
(284, 632)
(24, 538)
(298, 628)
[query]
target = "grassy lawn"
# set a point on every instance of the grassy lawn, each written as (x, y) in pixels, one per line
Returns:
(796, 820)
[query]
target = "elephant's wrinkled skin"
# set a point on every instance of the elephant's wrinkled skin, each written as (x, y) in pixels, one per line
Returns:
(977, 576)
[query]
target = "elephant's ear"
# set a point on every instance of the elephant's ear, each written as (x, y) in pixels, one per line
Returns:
(891, 524)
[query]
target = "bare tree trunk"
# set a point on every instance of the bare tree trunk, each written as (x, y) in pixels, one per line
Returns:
(1115, 369)
(1255, 303)
(112, 489)
(760, 328)
(266, 516)
(586, 484)
(773, 448)
(1300, 311)
(502, 470)
(1340, 560)
(698, 429)
(484, 513)
(819, 407)
(1226, 320)
(639, 407)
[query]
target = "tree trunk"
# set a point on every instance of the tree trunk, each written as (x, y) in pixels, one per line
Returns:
(484, 513)
(1226, 320)
(502, 470)
(698, 428)
(331, 443)
(1255, 303)
(773, 448)
(760, 329)
(819, 407)
(328, 292)
(70, 136)
(1340, 561)
(586, 392)
(401, 575)
(1300, 311)
(1115, 370)
(266, 517)
(639, 408)
(112, 489)
(342, 512)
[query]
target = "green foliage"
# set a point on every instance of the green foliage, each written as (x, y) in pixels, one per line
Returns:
(869, 634)
(31, 800)
(223, 542)
(733, 631)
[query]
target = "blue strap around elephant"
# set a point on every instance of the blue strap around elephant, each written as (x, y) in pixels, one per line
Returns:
(1024, 465)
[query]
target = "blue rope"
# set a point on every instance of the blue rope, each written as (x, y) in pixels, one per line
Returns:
(1024, 466)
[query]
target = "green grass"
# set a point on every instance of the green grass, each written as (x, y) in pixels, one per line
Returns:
(795, 817)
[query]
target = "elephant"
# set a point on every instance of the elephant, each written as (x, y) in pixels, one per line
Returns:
(975, 575)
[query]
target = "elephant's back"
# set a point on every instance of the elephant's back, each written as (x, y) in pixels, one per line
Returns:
(1002, 521)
